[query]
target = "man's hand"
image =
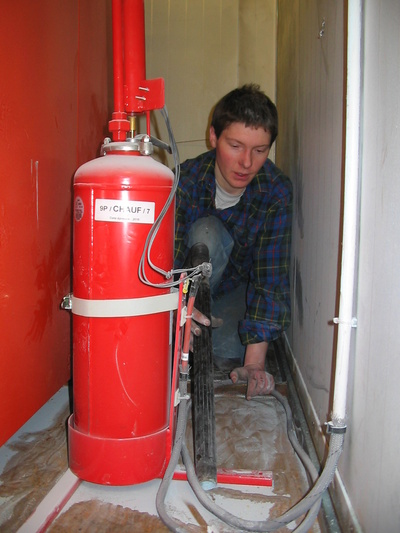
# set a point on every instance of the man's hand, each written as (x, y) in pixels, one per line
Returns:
(259, 382)
(199, 318)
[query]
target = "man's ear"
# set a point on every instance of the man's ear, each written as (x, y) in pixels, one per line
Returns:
(213, 137)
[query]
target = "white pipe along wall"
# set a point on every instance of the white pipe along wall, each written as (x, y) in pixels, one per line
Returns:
(346, 322)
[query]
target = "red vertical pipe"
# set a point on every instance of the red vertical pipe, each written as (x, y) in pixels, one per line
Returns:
(118, 60)
(119, 125)
(134, 39)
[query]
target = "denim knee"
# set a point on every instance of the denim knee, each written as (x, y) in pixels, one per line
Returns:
(212, 232)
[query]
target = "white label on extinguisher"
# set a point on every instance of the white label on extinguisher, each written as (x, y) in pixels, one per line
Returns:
(124, 211)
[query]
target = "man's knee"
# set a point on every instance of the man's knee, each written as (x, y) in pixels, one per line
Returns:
(212, 232)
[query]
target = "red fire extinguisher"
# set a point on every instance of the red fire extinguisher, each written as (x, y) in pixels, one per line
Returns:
(122, 334)
(120, 432)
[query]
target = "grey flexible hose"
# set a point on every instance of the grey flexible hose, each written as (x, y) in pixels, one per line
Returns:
(309, 504)
(228, 518)
(176, 452)
(311, 500)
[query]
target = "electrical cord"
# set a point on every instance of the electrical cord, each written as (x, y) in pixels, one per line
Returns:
(146, 255)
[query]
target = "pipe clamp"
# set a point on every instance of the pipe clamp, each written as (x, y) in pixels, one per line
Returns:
(330, 429)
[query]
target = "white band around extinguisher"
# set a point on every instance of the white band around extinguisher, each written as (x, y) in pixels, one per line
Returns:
(126, 306)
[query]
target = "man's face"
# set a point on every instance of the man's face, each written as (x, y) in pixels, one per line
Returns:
(240, 153)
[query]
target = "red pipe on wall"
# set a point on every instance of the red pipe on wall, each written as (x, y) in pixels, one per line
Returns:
(133, 94)
(134, 39)
(118, 56)
(119, 124)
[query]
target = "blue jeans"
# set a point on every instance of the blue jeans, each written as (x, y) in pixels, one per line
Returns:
(230, 307)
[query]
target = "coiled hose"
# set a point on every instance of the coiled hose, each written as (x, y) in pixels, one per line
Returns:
(310, 504)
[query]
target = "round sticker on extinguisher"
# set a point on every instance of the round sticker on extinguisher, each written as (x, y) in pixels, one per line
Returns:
(78, 209)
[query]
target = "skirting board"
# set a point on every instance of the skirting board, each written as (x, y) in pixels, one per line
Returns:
(341, 501)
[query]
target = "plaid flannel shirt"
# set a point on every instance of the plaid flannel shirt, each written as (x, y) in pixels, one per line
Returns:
(260, 225)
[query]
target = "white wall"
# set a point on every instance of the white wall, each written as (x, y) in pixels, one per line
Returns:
(371, 465)
(310, 77)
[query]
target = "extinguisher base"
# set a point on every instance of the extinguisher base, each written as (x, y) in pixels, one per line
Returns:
(116, 461)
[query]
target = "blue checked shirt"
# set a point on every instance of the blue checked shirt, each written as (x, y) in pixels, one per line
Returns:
(260, 225)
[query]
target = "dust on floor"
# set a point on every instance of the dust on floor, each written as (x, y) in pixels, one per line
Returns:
(250, 435)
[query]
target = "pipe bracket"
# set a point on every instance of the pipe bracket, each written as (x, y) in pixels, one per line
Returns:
(353, 323)
(331, 428)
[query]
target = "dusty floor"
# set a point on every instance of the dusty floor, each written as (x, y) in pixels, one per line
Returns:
(250, 435)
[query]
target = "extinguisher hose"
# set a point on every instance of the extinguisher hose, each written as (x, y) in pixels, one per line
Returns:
(183, 411)
(308, 506)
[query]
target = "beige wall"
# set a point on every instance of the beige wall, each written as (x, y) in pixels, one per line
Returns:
(203, 49)
(310, 96)
(257, 44)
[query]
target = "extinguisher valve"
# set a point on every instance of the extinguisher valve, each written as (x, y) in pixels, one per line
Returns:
(142, 143)
(145, 145)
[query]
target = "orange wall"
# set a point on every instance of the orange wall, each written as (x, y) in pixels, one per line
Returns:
(55, 64)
